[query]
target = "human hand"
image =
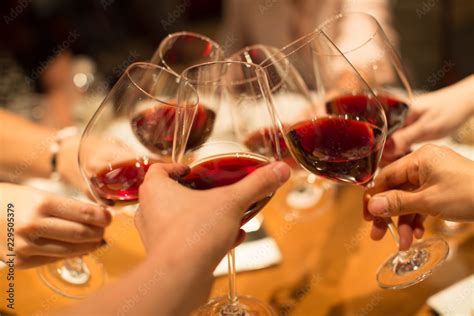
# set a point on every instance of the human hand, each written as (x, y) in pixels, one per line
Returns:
(49, 227)
(433, 181)
(433, 115)
(203, 224)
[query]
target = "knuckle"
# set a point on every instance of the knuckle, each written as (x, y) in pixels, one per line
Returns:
(429, 148)
(83, 233)
(268, 179)
(25, 248)
(395, 204)
(87, 214)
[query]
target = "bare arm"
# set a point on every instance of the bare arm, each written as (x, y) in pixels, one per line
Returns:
(25, 148)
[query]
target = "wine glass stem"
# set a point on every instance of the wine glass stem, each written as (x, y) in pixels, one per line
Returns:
(233, 299)
(394, 232)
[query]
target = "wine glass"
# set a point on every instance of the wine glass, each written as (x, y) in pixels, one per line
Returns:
(307, 195)
(372, 55)
(346, 145)
(181, 50)
(222, 160)
(370, 52)
(133, 128)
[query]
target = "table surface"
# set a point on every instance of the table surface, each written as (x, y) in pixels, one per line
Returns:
(328, 266)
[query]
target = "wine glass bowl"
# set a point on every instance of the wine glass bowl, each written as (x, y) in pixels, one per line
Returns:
(134, 127)
(373, 56)
(181, 50)
(345, 146)
(221, 163)
(252, 127)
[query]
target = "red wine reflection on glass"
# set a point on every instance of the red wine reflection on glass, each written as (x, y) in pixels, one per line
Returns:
(221, 170)
(222, 161)
(355, 105)
(119, 183)
(155, 128)
(337, 148)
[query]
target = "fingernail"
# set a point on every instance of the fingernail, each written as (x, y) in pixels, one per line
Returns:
(108, 216)
(378, 205)
(282, 171)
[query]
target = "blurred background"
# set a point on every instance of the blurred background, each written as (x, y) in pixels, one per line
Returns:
(58, 58)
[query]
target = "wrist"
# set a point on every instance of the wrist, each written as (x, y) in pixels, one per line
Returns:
(57, 151)
(470, 93)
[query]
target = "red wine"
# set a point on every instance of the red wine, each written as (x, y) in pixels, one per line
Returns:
(337, 148)
(154, 128)
(223, 170)
(359, 105)
(120, 182)
(262, 142)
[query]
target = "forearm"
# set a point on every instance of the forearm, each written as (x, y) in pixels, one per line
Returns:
(166, 283)
(470, 92)
(25, 148)
(464, 92)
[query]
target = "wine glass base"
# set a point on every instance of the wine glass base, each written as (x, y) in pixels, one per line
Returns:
(307, 198)
(414, 265)
(63, 282)
(247, 306)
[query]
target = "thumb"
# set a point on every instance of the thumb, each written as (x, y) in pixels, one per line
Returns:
(394, 203)
(167, 170)
(261, 183)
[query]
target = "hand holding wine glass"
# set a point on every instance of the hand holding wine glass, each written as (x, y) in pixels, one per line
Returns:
(160, 212)
(50, 227)
(430, 173)
(180, 257)
(345, 143)
(434, 115)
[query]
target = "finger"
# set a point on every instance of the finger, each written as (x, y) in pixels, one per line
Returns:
(64, 230)
(395, 203)
(60, 249)
(379, 227)
(418, 226)
(405, 231)
(72, 210)
(34, 261)
(240, 238)
(259, 184)
(399, 173)
(168, 170)
(366, 213)
(409, 135)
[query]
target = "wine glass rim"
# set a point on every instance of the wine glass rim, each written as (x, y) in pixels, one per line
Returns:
(217, 81)
(169, 72)
(184, 33)
(266, 61)
(320, 29)
(242, 150)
